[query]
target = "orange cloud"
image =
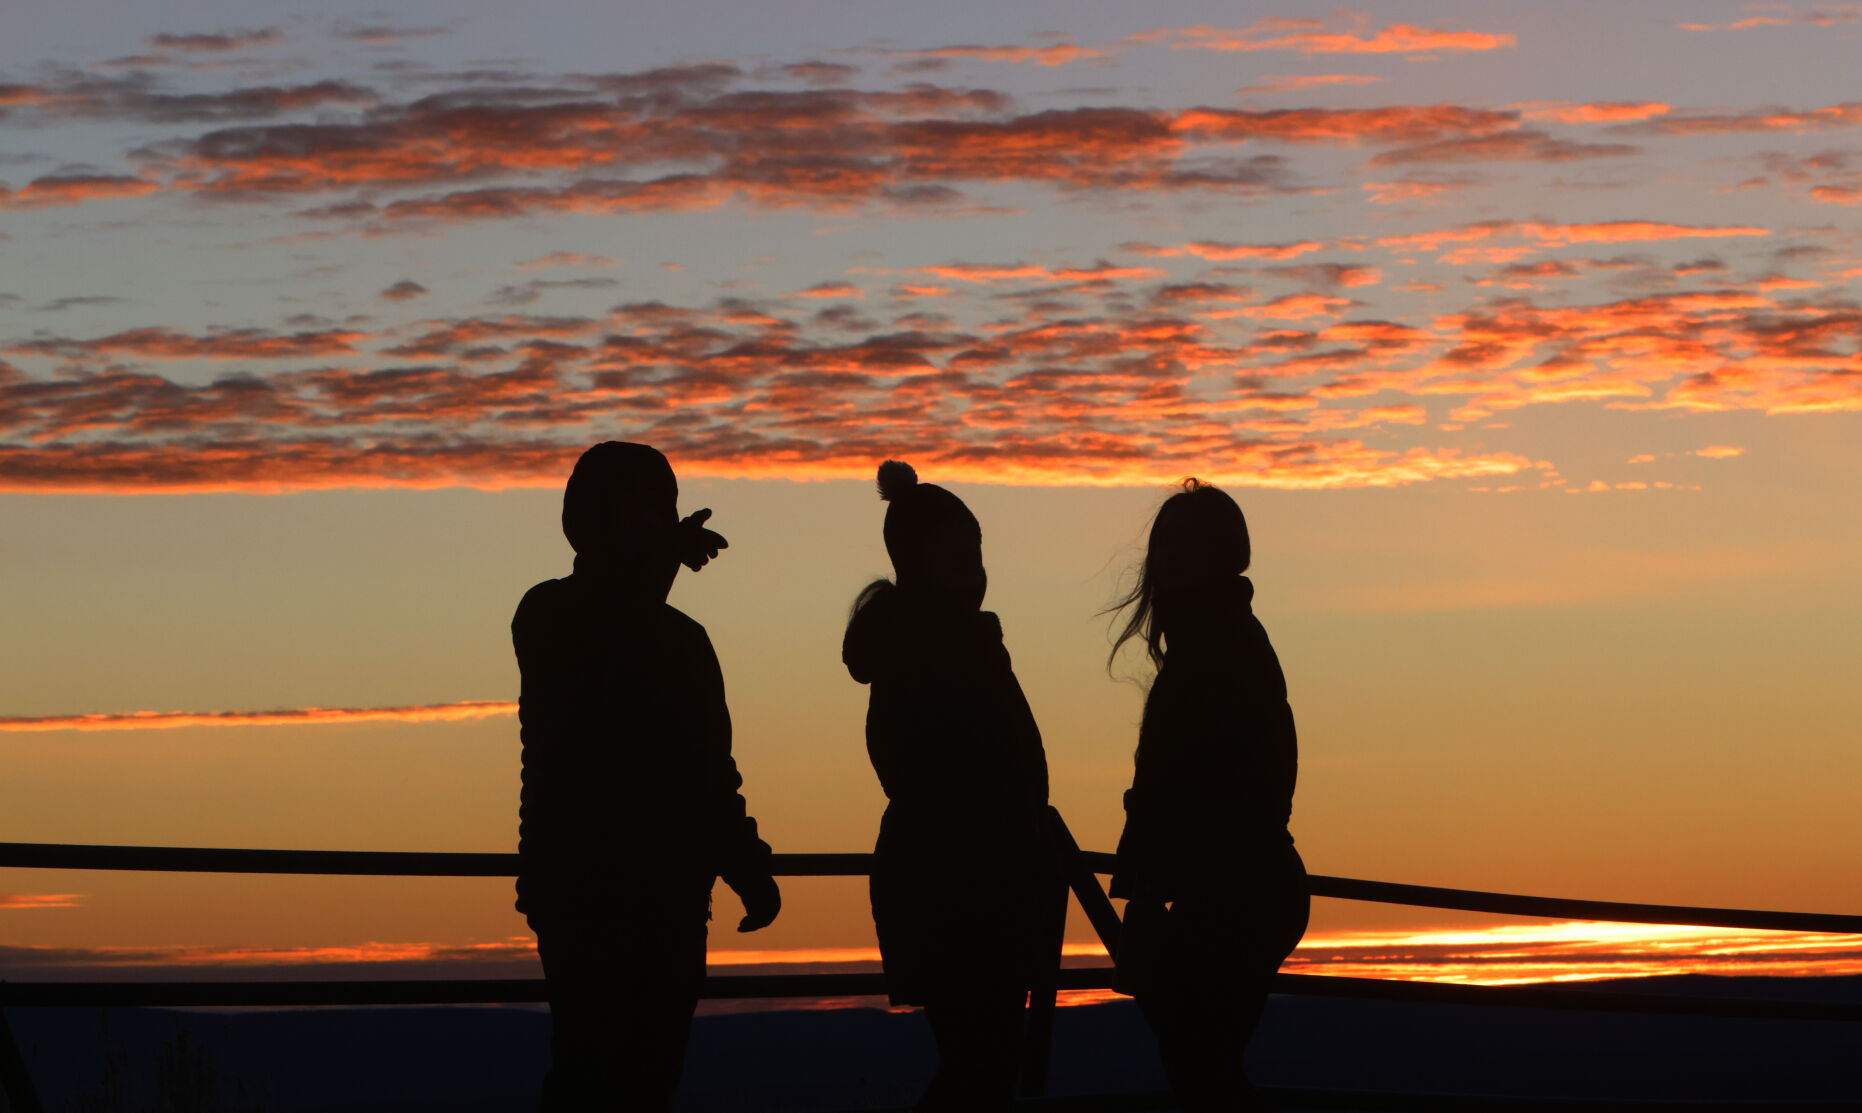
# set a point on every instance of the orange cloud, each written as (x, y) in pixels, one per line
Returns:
(1632, 231)
(40, 900)
(1393, 124)
(1055, 54)
(822, 290)
(1223, 252)
(1293, 83)
(1558, 235)
(566, 259)
(1821, 15)
(1530, 276)
(1846, 115)
(138, 98)
(72, 189)
(831, 148)
(1595, 112)
(1720, 451)
(1292, 307)
(297, 716)
(986, 272)
(1737, 25)
(1412, 189)
(162, 343)
(1523, 145)
(1311, 36)
(1105, 272)
(1328, 275)
(1094, 374)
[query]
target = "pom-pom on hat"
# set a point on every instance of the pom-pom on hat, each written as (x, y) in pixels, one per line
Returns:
(918, 515)
(896, 478)
(617, 480)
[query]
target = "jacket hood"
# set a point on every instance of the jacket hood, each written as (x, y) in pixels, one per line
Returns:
(894, 631)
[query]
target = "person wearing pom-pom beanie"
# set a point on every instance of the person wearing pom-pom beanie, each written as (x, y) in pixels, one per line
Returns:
(958, 864)
(630, 808)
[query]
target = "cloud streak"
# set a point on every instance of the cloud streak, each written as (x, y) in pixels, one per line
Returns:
(16, 901)
(1315, 36)
(296, 716)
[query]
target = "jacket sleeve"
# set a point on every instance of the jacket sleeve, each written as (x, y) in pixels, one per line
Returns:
(742, 854)
(544, 715)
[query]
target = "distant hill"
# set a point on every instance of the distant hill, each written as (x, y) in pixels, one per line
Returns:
(489, 1060)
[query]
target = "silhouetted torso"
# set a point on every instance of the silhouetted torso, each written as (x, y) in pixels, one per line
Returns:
(1206, 831)
(630, 793)
(1217, 754)
(959, 755)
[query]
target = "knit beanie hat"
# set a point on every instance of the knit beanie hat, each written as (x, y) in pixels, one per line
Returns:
(920, 514)
(615, 478)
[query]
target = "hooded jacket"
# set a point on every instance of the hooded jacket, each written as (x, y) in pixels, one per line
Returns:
(1217, 759)
(947, 726)
(957, 869)
(629, 788)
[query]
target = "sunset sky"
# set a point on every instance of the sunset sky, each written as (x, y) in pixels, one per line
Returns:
(1526, 335)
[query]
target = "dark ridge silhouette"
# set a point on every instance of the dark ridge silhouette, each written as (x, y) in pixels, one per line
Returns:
(627, 744)
(1217, 892)
(489, 1060)
(958, 868)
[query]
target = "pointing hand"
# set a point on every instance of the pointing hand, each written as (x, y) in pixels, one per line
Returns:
(696, 544)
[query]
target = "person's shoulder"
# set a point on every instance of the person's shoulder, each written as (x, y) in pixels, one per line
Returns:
(679, 627)
(544, 596)
(544, 604)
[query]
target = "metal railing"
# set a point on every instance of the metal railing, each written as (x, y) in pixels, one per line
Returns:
(1080, 868)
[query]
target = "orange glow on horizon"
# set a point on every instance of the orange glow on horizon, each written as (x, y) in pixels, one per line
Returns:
(297, 716)
(1506, 954)
(40, 900)
(1514, 954)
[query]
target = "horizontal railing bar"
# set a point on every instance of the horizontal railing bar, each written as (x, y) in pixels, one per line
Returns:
(15, 855)
(764, 986)
(1472, 900)
(1371, 1101)
(370, 863)
(1375, 1101)
(1539, 997)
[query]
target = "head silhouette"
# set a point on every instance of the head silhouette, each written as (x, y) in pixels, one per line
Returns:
(620, 508)
(934, 541)
(1199, 542)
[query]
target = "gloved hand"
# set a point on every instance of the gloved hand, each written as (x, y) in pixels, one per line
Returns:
(696, 544)
(762, 900)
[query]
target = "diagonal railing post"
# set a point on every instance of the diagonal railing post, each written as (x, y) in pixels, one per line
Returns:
(1043, 996)
(1085, 886)
(15, 1083)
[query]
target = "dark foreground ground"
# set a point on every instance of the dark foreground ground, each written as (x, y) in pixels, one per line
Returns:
(480, 1060)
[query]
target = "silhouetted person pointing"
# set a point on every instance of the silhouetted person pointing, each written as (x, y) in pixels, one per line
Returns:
(1206, 816)
(957, 870)
(630, 806)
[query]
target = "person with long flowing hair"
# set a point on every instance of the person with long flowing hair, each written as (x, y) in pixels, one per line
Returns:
(1216, 891)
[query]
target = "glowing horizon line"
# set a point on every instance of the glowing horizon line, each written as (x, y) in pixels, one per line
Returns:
(1499, 955)
(292, 716)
